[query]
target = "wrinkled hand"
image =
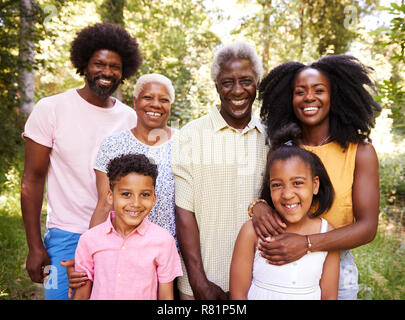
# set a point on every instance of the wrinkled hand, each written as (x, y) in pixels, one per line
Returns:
(37, 260)
(76, 279)
(283, 248)
(210, 291)
(266, 221)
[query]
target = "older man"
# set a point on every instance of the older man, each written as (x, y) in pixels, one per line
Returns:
(63, 135)
(218, 162)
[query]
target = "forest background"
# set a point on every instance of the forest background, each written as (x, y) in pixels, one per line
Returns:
(178, 38)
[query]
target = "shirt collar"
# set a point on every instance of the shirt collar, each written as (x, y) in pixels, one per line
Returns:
(141, 229)
(219, 122)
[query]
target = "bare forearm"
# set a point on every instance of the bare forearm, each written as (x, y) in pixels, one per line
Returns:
(104, 205)
(84, 292)
(189, 241)
(31, 206)
(100, 214)
(345, 238)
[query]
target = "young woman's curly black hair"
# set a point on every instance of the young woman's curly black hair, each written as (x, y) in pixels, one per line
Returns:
(110, 37)
(284, 146)
(131, 163)
(352, 108)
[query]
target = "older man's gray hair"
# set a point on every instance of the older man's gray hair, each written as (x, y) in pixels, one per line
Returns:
(240, 50)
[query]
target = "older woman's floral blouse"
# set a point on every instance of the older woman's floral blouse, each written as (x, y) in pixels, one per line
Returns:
(124, 142)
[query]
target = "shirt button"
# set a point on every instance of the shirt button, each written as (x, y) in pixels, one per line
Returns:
(119, 275)
(123, 248)
(293, 282)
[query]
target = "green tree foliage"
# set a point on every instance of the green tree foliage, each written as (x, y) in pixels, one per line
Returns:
(392, 91)
(175, 40)
(112, 11)
(302, 30)
(11, 118)
(9, 139)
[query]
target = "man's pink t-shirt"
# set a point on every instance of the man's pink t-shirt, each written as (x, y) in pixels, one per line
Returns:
(74, 129)
(130, 268)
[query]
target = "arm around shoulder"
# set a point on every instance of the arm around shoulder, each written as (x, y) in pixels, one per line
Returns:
(366, 190)
(365, 201)
(103, 206)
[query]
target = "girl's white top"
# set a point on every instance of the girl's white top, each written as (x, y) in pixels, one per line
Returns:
(298, 280)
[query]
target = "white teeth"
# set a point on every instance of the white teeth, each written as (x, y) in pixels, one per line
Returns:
(133, 213)
(310, 109)
(238, 102)
(291, 206)
(154, 114)
(103, 81)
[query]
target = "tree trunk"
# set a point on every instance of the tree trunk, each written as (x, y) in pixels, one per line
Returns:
(26, 56)
(266, 34)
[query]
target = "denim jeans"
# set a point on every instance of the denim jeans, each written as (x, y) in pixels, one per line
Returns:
(348, 280)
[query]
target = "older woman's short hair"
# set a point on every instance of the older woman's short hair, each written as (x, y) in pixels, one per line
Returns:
(239, 50)
(154, 77)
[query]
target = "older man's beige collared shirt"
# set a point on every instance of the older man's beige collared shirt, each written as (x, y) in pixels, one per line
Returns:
(218, 170)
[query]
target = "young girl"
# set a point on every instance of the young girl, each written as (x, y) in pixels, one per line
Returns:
(297, 186)
(127, 256)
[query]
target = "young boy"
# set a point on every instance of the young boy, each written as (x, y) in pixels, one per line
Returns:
(127, 256)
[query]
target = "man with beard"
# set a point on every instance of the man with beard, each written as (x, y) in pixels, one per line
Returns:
(63, 135)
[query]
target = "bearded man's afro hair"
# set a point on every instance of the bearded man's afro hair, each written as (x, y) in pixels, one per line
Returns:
(106, 36)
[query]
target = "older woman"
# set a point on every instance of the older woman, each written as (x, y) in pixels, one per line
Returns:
(153, 97)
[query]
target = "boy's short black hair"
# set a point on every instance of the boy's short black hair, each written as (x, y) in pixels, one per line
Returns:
(284, 146)
(131, 163)
(106, 36)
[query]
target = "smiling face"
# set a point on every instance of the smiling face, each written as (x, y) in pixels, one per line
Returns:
(292, 188)
(104, 72)
(153, 106)
(236, 86)
(311, 98)
(133, 197)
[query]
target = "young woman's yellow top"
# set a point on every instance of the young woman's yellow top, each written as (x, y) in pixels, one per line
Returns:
(339, 164)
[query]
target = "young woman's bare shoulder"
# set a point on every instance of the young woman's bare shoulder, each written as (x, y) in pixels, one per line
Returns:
(365, 152)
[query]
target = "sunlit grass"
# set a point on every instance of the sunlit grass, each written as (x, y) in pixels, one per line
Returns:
(14, 281)
(381, 265)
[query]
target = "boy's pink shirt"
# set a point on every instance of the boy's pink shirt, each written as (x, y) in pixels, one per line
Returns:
(74, 129)
(130, 268)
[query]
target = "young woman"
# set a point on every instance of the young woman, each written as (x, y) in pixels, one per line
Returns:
(329, 101)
